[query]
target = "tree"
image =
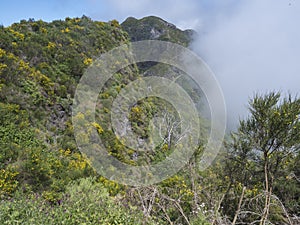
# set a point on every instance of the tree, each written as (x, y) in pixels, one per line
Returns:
(267, 139)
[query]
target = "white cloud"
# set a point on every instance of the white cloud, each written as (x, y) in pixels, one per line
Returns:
(251, 45)
(181, 13)
(255, 49)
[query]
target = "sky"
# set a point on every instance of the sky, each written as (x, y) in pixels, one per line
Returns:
(252, 46)
(183, 13)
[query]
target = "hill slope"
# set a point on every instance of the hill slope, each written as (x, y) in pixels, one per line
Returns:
(40, 65)
(155, 28)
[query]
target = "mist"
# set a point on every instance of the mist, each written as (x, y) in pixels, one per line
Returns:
(252, 46)
(254, 50)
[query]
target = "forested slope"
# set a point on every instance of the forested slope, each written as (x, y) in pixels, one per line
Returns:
(44, 178)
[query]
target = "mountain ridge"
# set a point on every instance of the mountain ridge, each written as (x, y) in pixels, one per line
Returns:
(155, 28)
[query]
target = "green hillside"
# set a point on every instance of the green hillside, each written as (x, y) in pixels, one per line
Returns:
(45, 179)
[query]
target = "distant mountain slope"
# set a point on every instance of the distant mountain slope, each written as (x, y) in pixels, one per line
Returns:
(155, 28)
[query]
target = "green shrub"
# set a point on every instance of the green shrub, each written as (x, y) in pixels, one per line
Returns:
(85, 202)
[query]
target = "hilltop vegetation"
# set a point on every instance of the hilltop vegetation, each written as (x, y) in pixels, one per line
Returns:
(154, 28)
(45, 179)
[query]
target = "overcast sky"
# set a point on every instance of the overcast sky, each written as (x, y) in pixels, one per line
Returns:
(251, 45)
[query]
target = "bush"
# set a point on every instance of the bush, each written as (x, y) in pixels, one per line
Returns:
(85, 202)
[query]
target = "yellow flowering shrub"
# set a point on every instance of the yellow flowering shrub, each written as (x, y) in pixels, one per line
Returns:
(2, 52)
(23, 65)
(8, 181)
(115, 23)
(77, 20)
(17, 34)
(2, 67)
(67, 30)
(76, 164)
(112, 187)
(98, 127)
(51, 45)
(78, 27)
(44, 30)
(88, 61)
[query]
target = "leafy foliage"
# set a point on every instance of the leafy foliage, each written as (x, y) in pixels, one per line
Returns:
(263, 153)
(44, 179)
(84, 202)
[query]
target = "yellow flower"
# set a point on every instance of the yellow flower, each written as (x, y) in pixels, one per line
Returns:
(23, 65)
(67, 30)
(51, 45)
(67, 152)
(2, 66)
(98, 127)
(79, 27)
(43, 30)
(80, 116)
(87, 61)
(17, 34)
(2, 52)
(136, 109)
